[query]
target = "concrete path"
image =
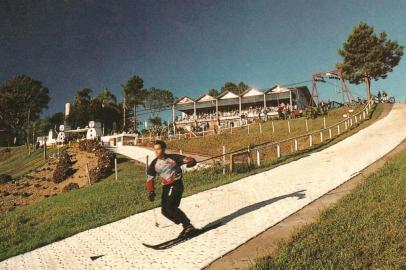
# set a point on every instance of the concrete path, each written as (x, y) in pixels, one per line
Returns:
(140, 154)
(134, 152)
(245, 208)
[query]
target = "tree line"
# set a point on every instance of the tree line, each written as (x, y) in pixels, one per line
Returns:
(23, 99)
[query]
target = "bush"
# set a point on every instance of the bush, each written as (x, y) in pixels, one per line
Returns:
(70, 186)
(4, 153)
(105, 159)
(5, 178)
(89, 145)
(63, 169)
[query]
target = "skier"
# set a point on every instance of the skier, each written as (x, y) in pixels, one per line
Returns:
(167, 166)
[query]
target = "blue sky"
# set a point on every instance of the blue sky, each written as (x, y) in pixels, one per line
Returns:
(186, 46)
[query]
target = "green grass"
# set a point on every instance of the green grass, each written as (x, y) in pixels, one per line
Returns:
(18, 162)
(58, 217)
(212, 145)
(365, 230)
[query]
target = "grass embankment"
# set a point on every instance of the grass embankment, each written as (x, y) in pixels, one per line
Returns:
(58, 217)
(17, 162)
(365, 230)
(212, 145)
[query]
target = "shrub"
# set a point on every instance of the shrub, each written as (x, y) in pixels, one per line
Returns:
(5, 178)
(63, 169)
(105, 159)
(4, 153)
(70, 186)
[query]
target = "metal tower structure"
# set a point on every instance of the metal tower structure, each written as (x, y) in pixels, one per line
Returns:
(333, 74)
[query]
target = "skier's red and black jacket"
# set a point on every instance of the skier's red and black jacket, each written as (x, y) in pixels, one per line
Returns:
(168, 168)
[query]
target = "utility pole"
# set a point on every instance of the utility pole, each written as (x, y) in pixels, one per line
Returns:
(124, 105)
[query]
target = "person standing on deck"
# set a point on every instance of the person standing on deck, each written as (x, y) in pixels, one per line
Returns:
(168, 167)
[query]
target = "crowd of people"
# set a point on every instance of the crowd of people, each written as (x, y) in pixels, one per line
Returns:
(283, 111)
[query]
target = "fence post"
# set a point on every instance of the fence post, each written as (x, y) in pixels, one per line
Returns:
(307, 126)
(330, 133)
(321, 136)
(338, 129)
(224, 159)
(231, 162)
(278, 150)
(260, 128)
(324, 122)
(273, 127)
(258, 159)
(115, 168)
(356, 119)
(146, 166)
(310, 140)
(295, 145)
(249, 155)
(88, 175)
(289, 126)
(346, 124)
(351, 122)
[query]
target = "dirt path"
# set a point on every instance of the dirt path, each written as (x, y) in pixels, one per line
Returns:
(267, 243)
(38, 184)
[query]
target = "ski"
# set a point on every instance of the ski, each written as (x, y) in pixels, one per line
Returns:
(178, 240)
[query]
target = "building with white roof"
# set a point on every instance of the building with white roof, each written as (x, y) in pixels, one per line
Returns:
(228, 109)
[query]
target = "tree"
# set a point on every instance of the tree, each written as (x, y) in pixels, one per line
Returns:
(156, 121)
(134, 95)
(242, 87)
(104, 108)
(213, 92)
(22, 99)
(57, 119)
(80, 115)
(367, 56)
(232, 87)
(157, 99)
(229, 86)
(42, 126)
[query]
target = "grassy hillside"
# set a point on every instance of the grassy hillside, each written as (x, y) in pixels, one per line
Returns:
(212, 145)
(58, 217)
(17, 162)
(365, 230)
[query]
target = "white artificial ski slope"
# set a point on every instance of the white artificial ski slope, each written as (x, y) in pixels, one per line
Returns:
(134, 152)
(246, 207)
(140, 154)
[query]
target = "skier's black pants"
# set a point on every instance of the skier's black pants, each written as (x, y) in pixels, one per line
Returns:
(171, 196)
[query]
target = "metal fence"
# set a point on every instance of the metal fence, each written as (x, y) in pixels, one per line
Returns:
(254, 155)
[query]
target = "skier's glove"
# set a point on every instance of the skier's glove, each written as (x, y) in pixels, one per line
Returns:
(190, 162)
(151, 196)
